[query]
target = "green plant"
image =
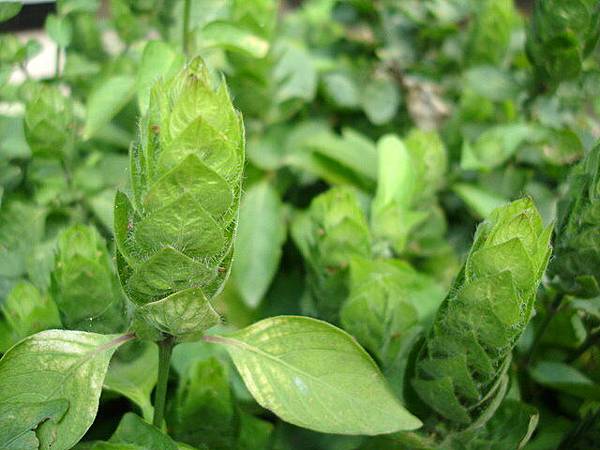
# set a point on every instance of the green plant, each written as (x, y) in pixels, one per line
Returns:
(248, 225)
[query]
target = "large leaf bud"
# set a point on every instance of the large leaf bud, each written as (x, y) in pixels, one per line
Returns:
(460, 369)
(175, 234)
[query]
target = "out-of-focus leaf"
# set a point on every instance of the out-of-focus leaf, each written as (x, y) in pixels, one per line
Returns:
(565, 378)
(260, 236)
(59, 29)
(158, 60)
(106, 99)
(49, 123)
(203, 411)
(8, 10)
(494, 146)
(84, 285)
(341, 90)
(231, 37)
(17, 241)
(480, 201)
(491, 82)
(71, 6)
(255, 433)
(380, 100)
(490, 31)
(329, 234)
(27, 311)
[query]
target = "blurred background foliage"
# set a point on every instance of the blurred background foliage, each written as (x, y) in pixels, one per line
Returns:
(379, 133)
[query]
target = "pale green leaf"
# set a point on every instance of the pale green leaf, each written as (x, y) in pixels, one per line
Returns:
(158, 60)
(231, 37)
(58, 365)
(380, 100)
(258, 243)
(315, 375)
(18, 422)
(480, 201)
(59, 29)
(106, 100)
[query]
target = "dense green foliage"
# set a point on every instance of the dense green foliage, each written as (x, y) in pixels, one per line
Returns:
(318, 224)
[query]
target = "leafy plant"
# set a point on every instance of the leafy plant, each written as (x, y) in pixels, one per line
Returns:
(249, 225)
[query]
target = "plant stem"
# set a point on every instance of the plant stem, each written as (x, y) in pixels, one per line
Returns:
(554, 308)
(165, 348)
(57, 65)
(186, 24)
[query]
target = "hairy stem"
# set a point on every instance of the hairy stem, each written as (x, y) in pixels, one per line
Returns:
(165, 348)
(186, 24)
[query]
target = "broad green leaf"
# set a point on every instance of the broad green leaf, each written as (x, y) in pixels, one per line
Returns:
(261, 233)
(27, 311)
(8, 10)
(158, 60)
(105, 100)
(57, 365)
(135, 378)
(59, 29)
(315, 375)
(18, 422)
